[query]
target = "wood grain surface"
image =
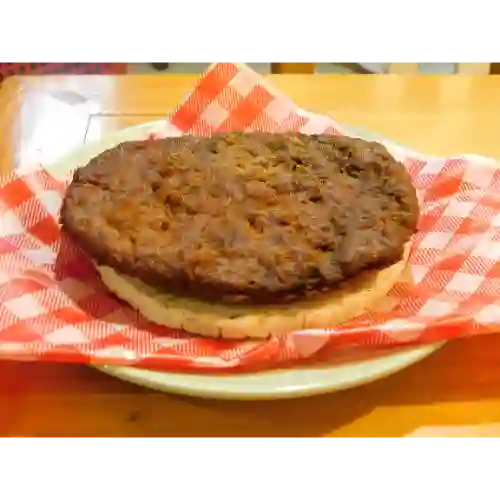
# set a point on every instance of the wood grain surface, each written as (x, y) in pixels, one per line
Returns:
(43, 118)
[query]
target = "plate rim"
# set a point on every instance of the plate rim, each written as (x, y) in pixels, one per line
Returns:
(322, 377)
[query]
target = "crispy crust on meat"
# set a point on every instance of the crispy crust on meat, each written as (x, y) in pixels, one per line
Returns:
(237, 218)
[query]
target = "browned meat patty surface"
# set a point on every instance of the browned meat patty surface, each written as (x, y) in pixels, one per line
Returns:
(243, 217)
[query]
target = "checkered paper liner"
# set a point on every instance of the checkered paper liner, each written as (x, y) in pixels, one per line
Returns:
(53, 306)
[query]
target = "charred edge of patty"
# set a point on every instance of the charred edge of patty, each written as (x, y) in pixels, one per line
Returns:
(180, 284)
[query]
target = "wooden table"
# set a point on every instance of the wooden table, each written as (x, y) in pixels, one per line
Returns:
(42, 118)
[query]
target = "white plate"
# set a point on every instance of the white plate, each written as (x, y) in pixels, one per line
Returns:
(349, 370)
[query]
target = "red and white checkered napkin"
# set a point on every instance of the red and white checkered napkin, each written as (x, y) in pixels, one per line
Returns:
(53, 307)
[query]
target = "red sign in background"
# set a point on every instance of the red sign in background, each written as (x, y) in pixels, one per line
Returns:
(10, 68)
